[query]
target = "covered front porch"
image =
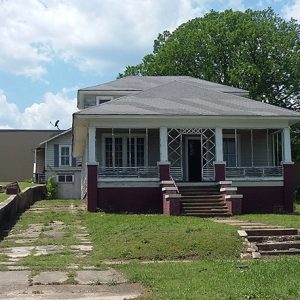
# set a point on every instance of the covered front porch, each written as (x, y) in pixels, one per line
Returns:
(128, 168)
(192, 154)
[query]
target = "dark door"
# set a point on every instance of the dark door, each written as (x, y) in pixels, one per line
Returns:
(194, 160)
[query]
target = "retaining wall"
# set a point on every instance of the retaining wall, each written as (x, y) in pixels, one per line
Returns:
(16, 204)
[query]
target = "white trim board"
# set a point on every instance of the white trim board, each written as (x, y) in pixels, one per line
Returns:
(128, 184)
(257, 183)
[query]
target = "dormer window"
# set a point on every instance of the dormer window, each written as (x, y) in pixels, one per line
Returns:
(103, 99)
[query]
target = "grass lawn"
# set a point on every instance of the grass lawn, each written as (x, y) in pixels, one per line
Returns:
(289, 220)
(219, 279)
(215, 272)
(160, 237)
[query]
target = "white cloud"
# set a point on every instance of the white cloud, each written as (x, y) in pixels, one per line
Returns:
(38, 116)
(94, 35)
(9, 112)
(292, 10)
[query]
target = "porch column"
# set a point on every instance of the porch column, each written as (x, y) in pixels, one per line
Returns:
(92, 145)
(287, 157)
(92, 172)
(163, 144)
(92, 188)
(219, 164)
(163, 165)
(288, 171)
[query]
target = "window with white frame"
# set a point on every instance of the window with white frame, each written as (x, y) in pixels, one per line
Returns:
(123, 151)
(64, 155)
(103, 99)
(65, 178)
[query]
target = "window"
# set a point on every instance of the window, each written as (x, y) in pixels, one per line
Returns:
(103, 99)
(64, 155)
(109, 152)
(229, 152)
(136, 151)
(65, 178)
(127, 152)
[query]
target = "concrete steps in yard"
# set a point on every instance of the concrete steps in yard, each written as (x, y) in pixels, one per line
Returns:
(272, 240)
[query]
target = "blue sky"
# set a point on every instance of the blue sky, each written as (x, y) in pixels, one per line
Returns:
(50, 48)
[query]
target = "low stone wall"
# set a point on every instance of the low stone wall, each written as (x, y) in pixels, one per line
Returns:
(18, 203)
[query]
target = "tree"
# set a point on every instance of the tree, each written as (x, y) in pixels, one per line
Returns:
(254, 50)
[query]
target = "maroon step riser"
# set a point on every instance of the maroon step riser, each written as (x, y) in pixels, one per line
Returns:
(205, 211)
(200, 192)
(216, 196)
(210, 215)
(203, 205)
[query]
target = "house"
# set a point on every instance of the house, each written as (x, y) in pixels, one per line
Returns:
(17, 152)
(53, 157)
(181, 145)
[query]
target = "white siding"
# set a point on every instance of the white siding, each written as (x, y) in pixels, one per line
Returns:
(65, 139)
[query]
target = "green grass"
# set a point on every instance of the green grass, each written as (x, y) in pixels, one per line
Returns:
(214, 273)
(288, 220)
(55, 261)
(219, 279)
(160, 237)
(3, 197)
(23, 185)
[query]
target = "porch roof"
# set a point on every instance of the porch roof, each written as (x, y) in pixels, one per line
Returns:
(187, 98)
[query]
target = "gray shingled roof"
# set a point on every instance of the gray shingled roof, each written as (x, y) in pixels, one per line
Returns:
(179, 98)
(142, 83)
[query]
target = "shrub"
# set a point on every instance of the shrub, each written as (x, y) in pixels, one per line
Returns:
(51, 188)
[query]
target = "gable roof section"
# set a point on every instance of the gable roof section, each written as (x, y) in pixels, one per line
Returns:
(186, 97)
(56, 136)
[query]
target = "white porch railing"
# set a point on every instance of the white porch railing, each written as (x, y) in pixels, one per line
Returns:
(176, 173)
(254, 172)
(39, 177)
(129, 172)
(208, 174)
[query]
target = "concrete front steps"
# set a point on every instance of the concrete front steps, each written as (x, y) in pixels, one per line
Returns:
(202, 201)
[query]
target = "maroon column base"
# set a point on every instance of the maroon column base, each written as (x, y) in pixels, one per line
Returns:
(289, 187)
(164, 171)
(219, 172)
(171, 207)
(92, 190)
(234, 206)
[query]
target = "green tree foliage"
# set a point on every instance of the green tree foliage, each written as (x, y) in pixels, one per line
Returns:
(254, 50)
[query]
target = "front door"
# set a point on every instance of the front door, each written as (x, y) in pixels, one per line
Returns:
(194, 159)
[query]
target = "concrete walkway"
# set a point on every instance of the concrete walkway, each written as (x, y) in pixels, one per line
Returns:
(108, 284)
(78, 281)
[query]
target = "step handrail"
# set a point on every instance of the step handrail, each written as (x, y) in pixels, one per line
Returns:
(173, 181)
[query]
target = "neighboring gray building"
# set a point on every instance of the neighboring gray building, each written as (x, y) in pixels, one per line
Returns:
(53, 157)
(17, 152)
